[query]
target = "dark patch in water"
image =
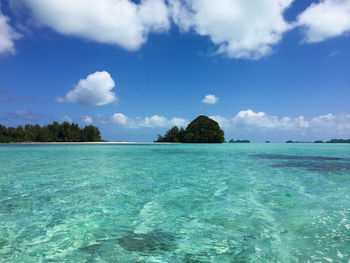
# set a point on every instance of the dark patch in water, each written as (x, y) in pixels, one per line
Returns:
(155, 242)
(316, 166)
(295, 157)
(311, 163)
(3, 243)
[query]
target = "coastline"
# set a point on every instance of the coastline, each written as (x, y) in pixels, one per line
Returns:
(85, 143)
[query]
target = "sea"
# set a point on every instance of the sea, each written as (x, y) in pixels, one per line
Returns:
(175, 203)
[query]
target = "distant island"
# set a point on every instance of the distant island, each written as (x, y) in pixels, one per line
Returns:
(55, 132)
(320, 141)
(200, 130)
(338, 141)
(239, 141)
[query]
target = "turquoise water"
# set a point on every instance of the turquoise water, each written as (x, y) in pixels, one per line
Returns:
(175, 203)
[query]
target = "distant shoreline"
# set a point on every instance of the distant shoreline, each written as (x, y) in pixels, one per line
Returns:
(63, 143)
(145, 143)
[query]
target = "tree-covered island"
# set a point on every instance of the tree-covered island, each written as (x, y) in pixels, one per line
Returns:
(55, 132)
(238, 141)
(200, 130)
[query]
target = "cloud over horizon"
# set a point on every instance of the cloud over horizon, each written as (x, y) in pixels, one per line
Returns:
(248, 119)
(95, 90)
(246, 123)
(87, 120)
(155, 121)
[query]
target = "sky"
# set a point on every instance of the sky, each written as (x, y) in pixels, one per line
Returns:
(264, 69)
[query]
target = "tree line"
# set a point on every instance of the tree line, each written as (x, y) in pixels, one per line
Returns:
(55, 132)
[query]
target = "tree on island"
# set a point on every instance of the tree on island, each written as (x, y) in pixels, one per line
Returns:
(200, 130)
(55, 132)
(173, 135)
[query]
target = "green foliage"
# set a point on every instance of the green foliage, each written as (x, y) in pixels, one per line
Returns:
(54, 132)
(204, 130)
(91, 134)
(173, 135)
(200, 130)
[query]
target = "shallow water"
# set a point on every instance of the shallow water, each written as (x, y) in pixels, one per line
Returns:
(175, 203)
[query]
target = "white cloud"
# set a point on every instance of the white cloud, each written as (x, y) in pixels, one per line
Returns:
(261, 120)
(95, 90)
(241, 28)
(332, 122)
(249, 119)
(148, 122)
(252, 123)
(24, 114)
(246, 29)
(119, 118)
(66, 119)
(120, 22)
(210, 99)
(87, 120)
(7, 35)
(325, 19)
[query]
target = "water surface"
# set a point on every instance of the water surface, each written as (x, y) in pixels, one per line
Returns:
(175, 203)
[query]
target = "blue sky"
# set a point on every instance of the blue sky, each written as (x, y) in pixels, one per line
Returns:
(265, 70)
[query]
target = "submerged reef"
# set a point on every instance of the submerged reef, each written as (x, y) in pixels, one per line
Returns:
(311, 163)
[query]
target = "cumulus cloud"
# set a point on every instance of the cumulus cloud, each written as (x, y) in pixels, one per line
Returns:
(261, 120)
(119, 118)
(7, 35)
(241, 28)
(66, 119)
(325, 19)
(120, 22)
(332, 122)
(249, 119)
(210, 99)
(147, 122)
(95, 90)
(87, 120)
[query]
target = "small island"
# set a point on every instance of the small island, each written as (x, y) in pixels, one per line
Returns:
(200, 130)
(239, 141)
(338, 141)
(55, 132)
